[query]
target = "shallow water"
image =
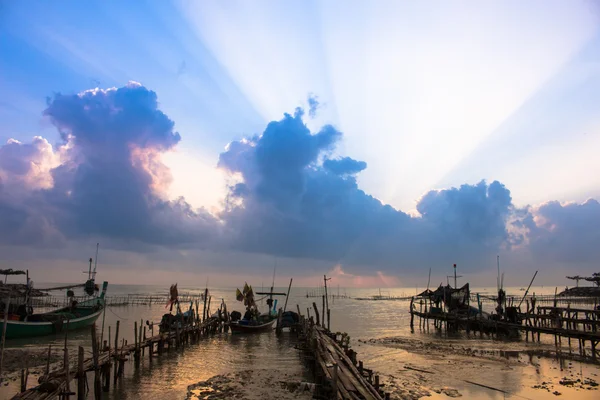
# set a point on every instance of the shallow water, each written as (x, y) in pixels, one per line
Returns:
(504, 365)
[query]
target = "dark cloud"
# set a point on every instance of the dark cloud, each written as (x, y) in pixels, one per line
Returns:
(344, 166)
(291, 205)
(472, 212)
(567, 233)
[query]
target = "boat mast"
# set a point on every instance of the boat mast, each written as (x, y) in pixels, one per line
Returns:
(95, 262)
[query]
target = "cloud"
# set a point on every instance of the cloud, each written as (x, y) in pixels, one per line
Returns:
(472, 212)
(344, 166)
(111, 181)
(27, 166)
(287, 197)
(313, 106)
(288, 203)
(567, 233)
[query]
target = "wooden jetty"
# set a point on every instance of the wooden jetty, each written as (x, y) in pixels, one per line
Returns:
(58, 383)
(539, 299)
(338, 374)
(560, 322)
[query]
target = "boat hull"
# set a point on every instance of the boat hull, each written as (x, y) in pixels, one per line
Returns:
(25, 329)
(237, 328)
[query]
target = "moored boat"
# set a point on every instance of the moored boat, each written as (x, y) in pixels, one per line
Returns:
(254, 321)
(77, 316)
(244, 326)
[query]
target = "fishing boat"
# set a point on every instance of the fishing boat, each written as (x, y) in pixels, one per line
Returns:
(253, 321)
(77, 316)
(264, 323)
(18, 319)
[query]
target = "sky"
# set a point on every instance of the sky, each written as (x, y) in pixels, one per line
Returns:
(370, 141)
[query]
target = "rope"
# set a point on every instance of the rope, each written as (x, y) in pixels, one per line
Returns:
(115, 314)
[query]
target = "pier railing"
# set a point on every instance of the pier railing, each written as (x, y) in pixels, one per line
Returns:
(112, 301)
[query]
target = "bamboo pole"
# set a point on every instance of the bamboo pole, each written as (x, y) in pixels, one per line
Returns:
(80, 376)
(97, 383)
(288, 295)
(7, 303)
(48, 360)
(204, 310)
(115, 372)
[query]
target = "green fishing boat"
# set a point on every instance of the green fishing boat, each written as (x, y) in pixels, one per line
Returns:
(77, 316)
(18, 320)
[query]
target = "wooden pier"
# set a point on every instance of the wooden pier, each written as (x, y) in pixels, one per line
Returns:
(338, 374)
(58, 383)
(561, 323)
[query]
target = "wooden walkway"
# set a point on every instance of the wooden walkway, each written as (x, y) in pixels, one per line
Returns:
(58, 383)
(560, 322)
(337, 373)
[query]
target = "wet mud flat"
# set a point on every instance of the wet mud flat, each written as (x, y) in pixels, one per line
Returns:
(417, 368)
(253, 384)
(32, 359)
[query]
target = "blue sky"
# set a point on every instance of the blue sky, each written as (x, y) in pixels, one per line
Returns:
(430, 95)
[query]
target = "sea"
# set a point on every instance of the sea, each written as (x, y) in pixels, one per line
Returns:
(379, 331)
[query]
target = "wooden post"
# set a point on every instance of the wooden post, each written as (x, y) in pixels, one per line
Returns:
(115, 372)
(48, 360)
(412, 316)
(66, 362)
(226, 317)
(80, 376)
(97, 383)
(143, 347)
(204, 311)
(140, 335)
(279, 327)
(6, 304)
(316, 312)
(288, 295)
(324, 312)
(326, 302)
(24, 376)
(135, 341)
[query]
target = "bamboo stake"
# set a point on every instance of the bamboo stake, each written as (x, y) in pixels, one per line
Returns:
(7, 302)
(48, 360)
(80, 376)
(97, 384)
(115, 372)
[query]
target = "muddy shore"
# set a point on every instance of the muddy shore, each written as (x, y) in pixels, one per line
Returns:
(441, 369)
(254, 384)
